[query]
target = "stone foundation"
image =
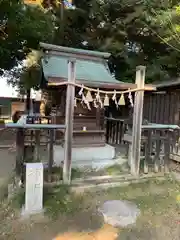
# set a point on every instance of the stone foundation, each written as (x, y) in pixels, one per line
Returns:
(93, 157)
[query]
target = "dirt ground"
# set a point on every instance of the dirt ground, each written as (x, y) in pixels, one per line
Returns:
(160, 217)
(7, 162)
(158, 201)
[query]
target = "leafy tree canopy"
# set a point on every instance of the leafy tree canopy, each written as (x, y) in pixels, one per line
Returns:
(21, 28)
(129, 30)
(135, 32)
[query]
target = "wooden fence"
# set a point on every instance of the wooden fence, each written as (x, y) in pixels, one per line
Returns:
(115, 129)
(159, 144)
(175, 145)
(162, 108)
(155, 150)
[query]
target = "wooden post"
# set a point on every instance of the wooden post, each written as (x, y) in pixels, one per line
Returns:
(98, 117)
(37, 146)
(28, 101)
(167, 151)
(51, 154)
(69, 122)
(20, 153)
(158, 151)
(137, 121)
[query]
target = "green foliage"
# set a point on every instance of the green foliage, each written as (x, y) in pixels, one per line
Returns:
(135, 32)
(169, 34)
(56, 200)
(21, 28)
(57, 172)
(31, 73)
(62, 201)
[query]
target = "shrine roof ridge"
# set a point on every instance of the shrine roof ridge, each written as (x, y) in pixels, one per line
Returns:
(74, 51)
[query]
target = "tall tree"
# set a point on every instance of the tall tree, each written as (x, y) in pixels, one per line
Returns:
(21, 28)
(168, 20)
(123, 28)
(129, 29)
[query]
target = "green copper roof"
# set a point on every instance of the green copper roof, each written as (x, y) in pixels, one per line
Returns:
(90, 71)
(91, 67)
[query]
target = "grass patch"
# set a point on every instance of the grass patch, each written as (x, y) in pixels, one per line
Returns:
(4, 189)
(57, 173)
(159, 207)
(62, 201)
(148, 194)
(56, 200)
(18, 199)
(116, 169)
(4, 183)
(156, 199)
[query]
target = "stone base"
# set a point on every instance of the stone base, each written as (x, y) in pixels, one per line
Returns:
(27, 214)
(94, 157)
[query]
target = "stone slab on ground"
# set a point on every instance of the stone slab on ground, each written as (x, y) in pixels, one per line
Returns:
(119, 213)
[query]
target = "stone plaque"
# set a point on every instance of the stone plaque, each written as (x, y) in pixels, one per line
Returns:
(34, 188)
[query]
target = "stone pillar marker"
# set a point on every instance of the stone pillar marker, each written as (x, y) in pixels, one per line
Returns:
(34, 188)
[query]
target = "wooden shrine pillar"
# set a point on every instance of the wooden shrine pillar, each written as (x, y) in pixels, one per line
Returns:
(137, 121)
(20, 154)
(69, 117)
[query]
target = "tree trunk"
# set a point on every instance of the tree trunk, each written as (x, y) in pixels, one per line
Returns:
(28, 101)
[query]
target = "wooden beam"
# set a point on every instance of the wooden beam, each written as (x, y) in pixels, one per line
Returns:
(51, 154)
(137, 121)
(58, 81)
(69, 123)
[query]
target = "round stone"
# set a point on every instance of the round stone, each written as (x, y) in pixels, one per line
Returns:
(119, 213)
